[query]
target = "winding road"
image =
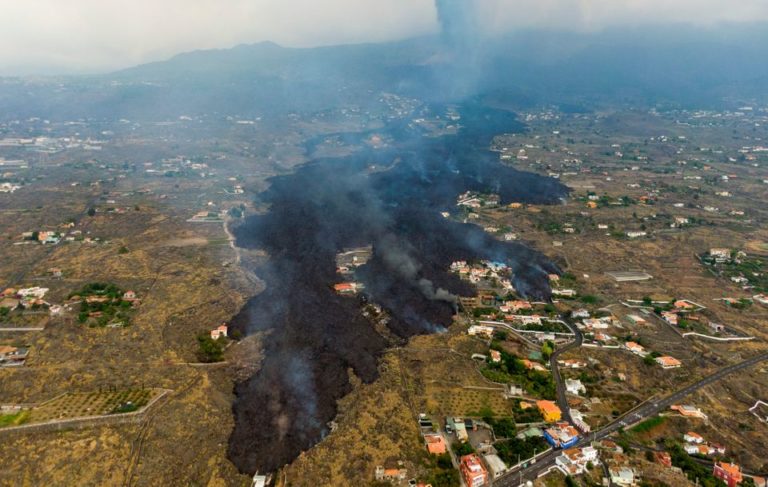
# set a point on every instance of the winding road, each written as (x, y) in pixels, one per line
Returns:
(562, 398)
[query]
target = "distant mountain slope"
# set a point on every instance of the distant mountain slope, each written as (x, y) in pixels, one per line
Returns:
(669, 65)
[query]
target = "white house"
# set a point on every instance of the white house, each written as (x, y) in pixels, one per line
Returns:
(496, 467)
(622, 476)
(692, 437)
(574, 386)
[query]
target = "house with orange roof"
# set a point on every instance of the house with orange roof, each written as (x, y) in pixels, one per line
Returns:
(220, 331)
(549, 410)
(390, 474)
(663, 458)
(533, 365)
(571, 364)
(670, 317)
(495, 356)
(692, 437)
(688, 411)
(344, 288)
(435, 444)
(729, 473)
(635, 348)
(473, 470)
(684, 305)
(516, 306)
(668, 362)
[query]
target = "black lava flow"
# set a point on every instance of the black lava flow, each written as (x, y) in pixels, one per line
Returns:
(315, 337)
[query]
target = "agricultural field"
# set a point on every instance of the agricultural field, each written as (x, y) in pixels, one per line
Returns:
(77, 405)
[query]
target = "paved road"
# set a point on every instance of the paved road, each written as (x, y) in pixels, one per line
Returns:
(562, 398)
(647, 409)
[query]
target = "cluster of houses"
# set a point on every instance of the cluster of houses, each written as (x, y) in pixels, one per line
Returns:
(589, 324)
(471, 199)
(681, 307)
(348, 261)
(24, 298)
(719, 255)
(477, 468)
(665, 361)
(729, 473)
(485, 271)
(346, 264)
(44, 237)
(695, 445)
(575, 461)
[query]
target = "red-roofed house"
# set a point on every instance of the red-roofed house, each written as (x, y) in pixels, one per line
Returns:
(473, 470)
(668, 362)
(692, 437)
(435, 444)
(219, 332)
(729, 473)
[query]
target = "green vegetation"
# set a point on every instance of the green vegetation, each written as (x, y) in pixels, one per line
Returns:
(512, 369)
(210, 350)
(649, 424)
(545, 326)
(530, 415)
(692, 469)
(512, 449)
(102, 304)
(480, 312)
(127, 407)
(461, 449)
(742, 303)
(441, 472)
(503, 427)
(547, 349)
(753, 269)
(15, 419)
(649, 360)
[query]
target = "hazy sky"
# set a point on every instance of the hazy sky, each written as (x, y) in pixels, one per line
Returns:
(101, 35)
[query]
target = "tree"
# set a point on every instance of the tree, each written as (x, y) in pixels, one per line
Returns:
(461, 449)
(210, 350)
(91, 211)
(649, 360)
